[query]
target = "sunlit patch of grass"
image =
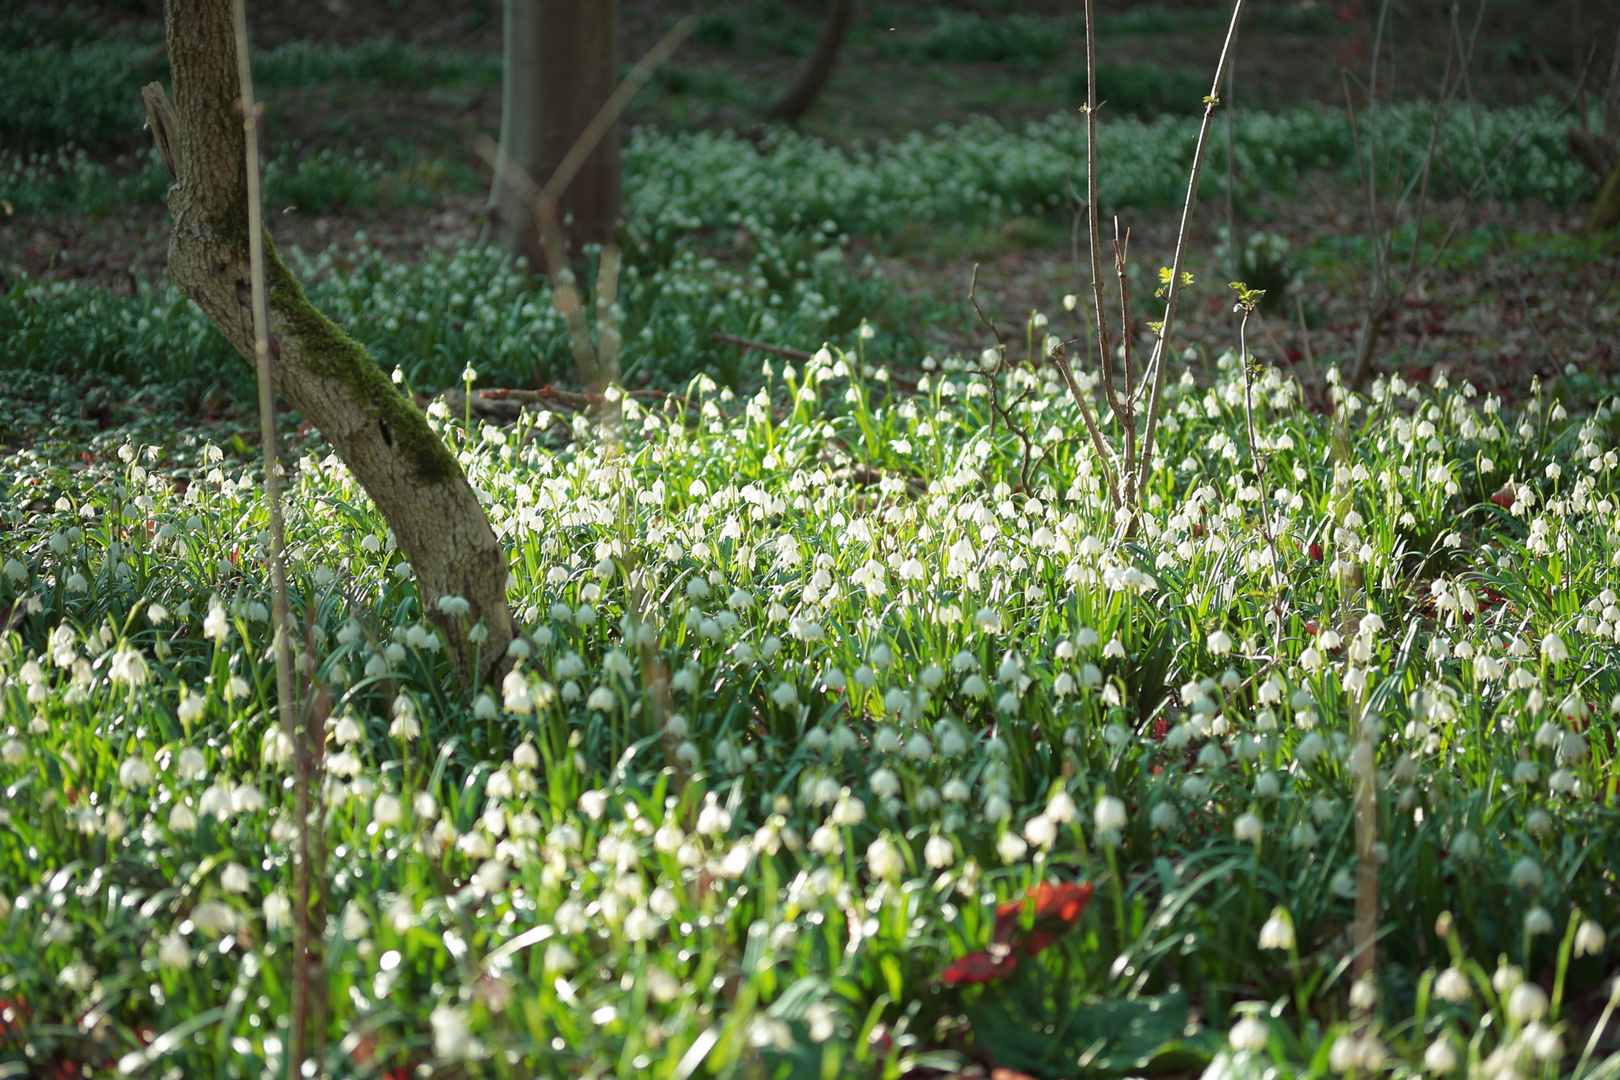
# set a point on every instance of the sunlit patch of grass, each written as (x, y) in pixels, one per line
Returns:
(905, 693)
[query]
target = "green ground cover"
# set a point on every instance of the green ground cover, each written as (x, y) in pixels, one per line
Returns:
(906, 694)
(952, 770)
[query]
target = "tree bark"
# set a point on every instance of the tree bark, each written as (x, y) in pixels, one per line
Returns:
(561, 65)
(802, 94)
(411, 476)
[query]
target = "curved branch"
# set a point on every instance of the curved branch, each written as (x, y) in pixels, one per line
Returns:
(799, 97)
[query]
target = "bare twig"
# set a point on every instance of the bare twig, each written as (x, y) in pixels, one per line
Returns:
(785, 351)
(1125, 408)
(308, 991)
(1060, 360)
(1260, 461)
(1157, 364)
(1004, 362)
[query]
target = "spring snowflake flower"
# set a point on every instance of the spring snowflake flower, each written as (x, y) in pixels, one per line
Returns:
(1250, 1033)
(1554, 649)
(1163, 816)
(452, 1038)
(1010, 847)
(713, 819)
(1452, 985)
(216, 626)
(1526, 1002)
(1278, 931)
(1589, 939)
(847, 811)
(1537, 921)
(1041, 831)
(1526, 874)
(182, 818)
(134, 773)
(387, 810)
(1440, 1057)
(884, 784)
(235, 878)
(883, 859)
(1219, 643)
(172, 952)
(128, 667)
(1248, 828)
(938, 852)
(515, 693)
(214, 917)
(1109, 815)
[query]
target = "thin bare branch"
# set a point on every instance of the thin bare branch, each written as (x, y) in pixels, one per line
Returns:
(308, 991)
(1159, 361)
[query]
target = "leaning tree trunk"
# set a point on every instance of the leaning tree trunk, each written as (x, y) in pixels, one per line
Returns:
(411, 476)
(561, 65)
(793, 104)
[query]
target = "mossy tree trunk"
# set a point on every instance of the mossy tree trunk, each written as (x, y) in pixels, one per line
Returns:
(411, 476)
(561, 65)
(818, 69)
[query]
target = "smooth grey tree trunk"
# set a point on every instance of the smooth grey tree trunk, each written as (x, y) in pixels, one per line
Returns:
(411, 476)
(561, 65)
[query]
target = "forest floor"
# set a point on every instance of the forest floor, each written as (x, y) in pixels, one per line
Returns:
(1514, 297)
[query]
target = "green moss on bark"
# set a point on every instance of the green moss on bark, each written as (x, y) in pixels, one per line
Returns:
(332, 354)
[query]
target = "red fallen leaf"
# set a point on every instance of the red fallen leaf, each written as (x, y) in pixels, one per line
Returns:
(1057, 908)
(1161, 728)
(305, 427)
(1349, 11)
(980, 967)
(1316, 552)
(1505, 497)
